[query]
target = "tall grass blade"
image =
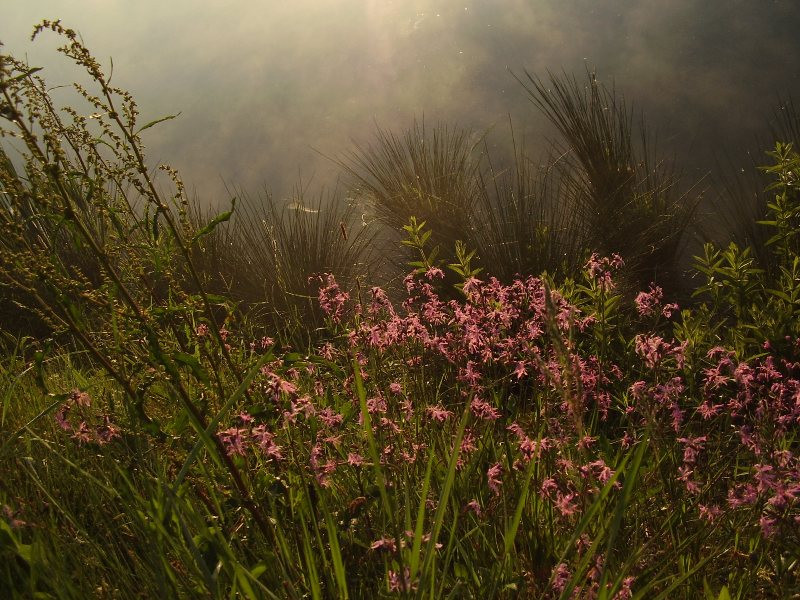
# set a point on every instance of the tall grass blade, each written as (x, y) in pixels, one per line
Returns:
(372, 446)
(336, 553)
(444, 497)
(420, 522)
(312, 577)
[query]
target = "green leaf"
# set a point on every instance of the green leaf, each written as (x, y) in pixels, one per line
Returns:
(221, 218)
(156, 122)
(444, 496)
(292, 357)
(194, 364)
(23, 75)
(244, 583)
(258, 570)
(780, 294)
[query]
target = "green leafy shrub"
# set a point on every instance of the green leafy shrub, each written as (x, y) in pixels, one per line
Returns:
(755, 304)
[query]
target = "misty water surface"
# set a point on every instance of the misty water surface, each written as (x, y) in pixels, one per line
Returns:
(265, 87)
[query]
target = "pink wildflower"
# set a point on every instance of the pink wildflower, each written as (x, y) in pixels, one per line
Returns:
(354, 459)
(647, 303)
(408, 408)
(599, 269)
(549, 485)
(380, 301)
(82, 433)
(61, 417)
(651, 348)
(668, 309)
(638, 390)
(742, 495)
(377, 405)
(327, 351)
(692, 448)
(233, 441)
(708, 410)
(601, 471)
(625, 592)
(384, 544)
(560, 577)
(265, 440)
(322, 472)
(529, 449)
(107, 431)
(80, 398)
(517, 430)
(565, 504)
(519, 370)
(434, 272)
(769, 526)
(332, 299)
(329, 417)
(474, 507)
(493, 478)
(627, 440)
(709, 512)
(399, 583)
(277, 385)
(685, 475)
(470, 375)
(483, 410)
(12, 517)
(439, 413)
(468, 442)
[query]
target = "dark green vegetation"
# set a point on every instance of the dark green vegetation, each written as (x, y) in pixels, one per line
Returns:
(220, 406)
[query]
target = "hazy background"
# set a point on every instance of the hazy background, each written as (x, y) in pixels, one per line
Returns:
(265, 86)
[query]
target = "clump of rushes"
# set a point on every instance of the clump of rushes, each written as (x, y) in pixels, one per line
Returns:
(268, 258)
(428, 173)
(628, 200)
(600, 189)
(491, 439)
(524, 226)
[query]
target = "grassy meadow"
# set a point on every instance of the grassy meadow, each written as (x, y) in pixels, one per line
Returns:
(455, 376)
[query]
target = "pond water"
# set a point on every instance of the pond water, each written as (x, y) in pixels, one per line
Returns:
(268, 89)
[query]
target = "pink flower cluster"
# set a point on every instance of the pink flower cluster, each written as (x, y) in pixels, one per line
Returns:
(649, 303)
(237, 440)
(73, 416)
(601, 270)
(748, 410)
(331, 298)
